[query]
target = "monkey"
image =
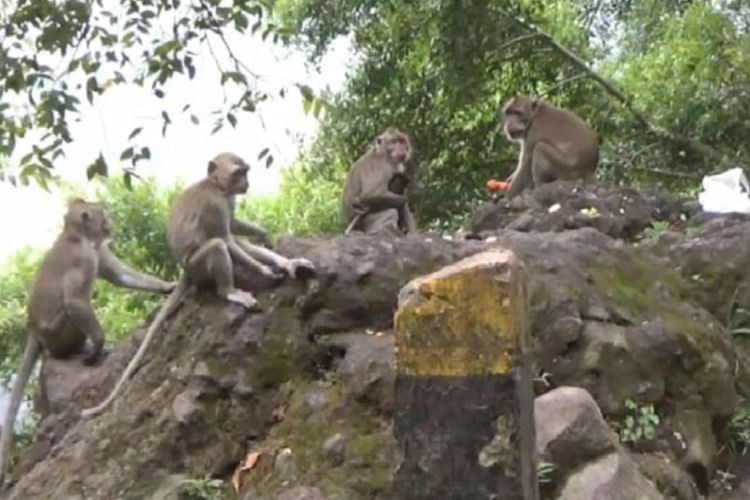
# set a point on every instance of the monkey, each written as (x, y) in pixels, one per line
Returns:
(555, 144)
(201, 234)
(59, 313)
(374, 194)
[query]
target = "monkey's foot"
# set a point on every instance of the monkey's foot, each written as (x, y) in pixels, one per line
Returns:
(243, 298)
(95, 357)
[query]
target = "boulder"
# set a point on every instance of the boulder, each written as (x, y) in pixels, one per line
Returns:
(618, 212)
(611, 477)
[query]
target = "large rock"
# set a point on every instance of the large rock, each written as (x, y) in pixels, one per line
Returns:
(618, 212)
(464, 398)
(570, 428)
(612, 477)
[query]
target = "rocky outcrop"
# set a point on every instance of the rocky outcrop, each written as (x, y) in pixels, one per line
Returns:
(618, 212)
(300, 396)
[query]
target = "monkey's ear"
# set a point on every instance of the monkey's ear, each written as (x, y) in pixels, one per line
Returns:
(212, 166)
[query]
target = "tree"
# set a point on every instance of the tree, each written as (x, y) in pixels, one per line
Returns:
(56, 53)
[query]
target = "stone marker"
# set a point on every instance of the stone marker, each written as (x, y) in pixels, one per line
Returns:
(464, 403)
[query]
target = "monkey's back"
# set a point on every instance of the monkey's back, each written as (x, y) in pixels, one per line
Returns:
(571, 129)
(68, 253)
(198, 214)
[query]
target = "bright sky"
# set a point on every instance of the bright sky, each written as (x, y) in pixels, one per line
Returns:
(32, 216)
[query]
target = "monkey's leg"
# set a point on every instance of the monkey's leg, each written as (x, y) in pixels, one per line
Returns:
(548, 164)
(385, 221)
(80, 315)
(409, 224)
(25, 366)
(383, 201)
(212, 263)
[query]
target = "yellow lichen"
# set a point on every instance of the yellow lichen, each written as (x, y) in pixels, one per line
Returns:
(463, 323)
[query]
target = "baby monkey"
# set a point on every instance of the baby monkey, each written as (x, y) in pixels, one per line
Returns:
(202, 232)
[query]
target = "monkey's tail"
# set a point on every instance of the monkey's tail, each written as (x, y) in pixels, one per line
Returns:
(353, 223)
(169, 306)
(30, 355)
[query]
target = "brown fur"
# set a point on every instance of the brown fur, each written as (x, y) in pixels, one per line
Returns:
(374, 193)
(59, 313)
(555, 144)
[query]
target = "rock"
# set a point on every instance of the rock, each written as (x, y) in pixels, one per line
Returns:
(611, 477)
(334, 449)
(669, 479)
(302, 493)
(461, 381)
(358, 279)
(284, 464)
(570, 428)
(620, 212)
(368, 368)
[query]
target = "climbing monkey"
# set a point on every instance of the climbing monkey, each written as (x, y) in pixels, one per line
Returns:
(374, 195)
(201, 233)
(555, 144)
(59, 313)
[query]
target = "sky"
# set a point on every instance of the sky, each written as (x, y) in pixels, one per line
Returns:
(280, 124)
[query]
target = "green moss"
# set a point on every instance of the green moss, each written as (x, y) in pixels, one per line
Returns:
(366, 470)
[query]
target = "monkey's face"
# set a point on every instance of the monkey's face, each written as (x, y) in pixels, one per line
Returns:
(229, 172)
(517, 115)
(89, 219)
(396, 146)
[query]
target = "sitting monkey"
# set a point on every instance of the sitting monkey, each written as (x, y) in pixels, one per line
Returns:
(59, 313)
(202, 233)
(374, 195)
(555, 144)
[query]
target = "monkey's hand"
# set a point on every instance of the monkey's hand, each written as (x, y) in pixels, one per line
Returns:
(300, 268)
(270, 273)
(95, 357)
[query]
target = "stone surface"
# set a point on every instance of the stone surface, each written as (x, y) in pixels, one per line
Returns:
(458, 332)
(618, 212)
(611, 477)
(301, 493)
(570, 428)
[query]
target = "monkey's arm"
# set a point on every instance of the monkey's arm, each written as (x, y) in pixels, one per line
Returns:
(117, 273)
(238, 252)
(279, 261)
(382, 201)
(522, 177)
(79, 311)
(245, 228)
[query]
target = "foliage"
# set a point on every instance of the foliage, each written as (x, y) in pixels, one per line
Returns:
(640, 423)
(440, 70)
(202, 489)
(55, 54)
(304, 206)
(739, 429)
(15, 279)
(545, 472)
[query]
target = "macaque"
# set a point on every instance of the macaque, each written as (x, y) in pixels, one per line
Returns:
(59, 313)
(201, 233)
(374, 196)
(555, 144)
